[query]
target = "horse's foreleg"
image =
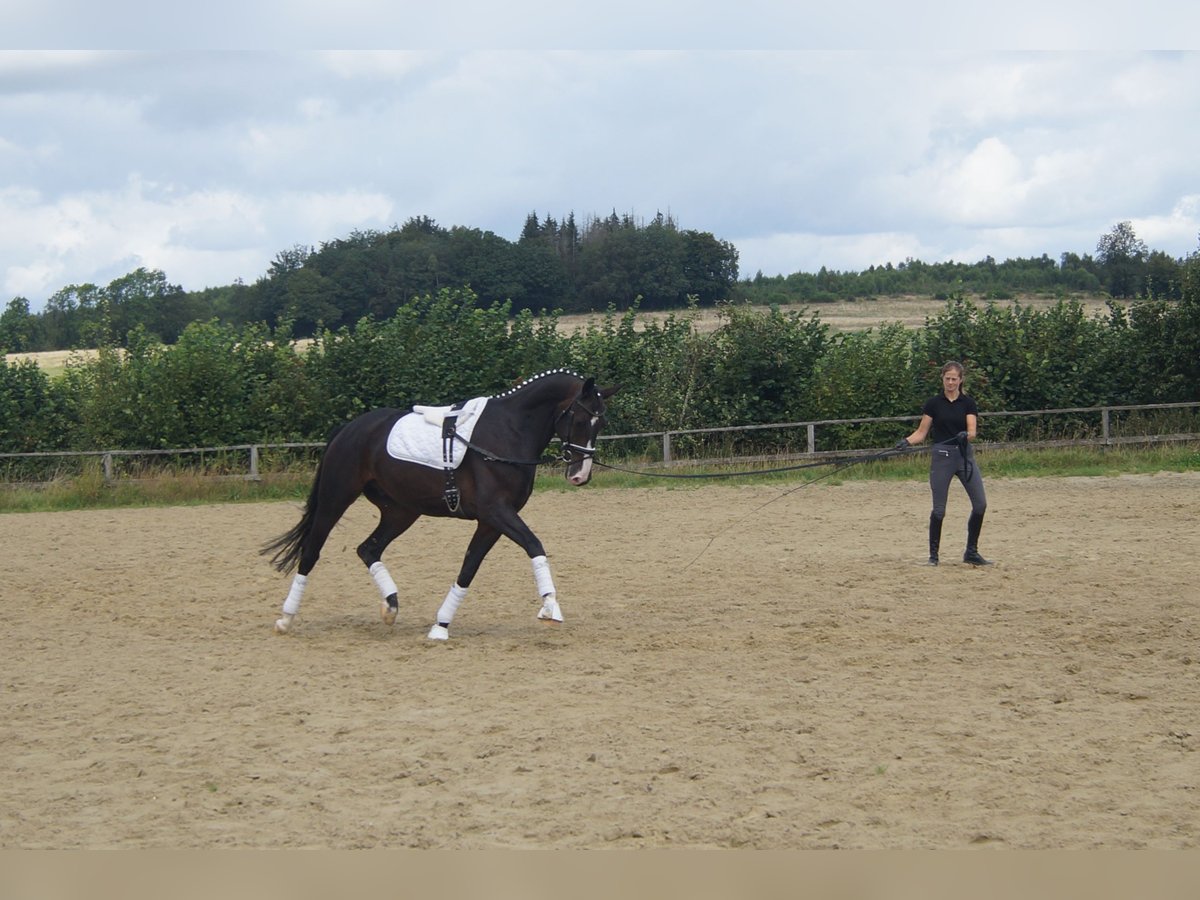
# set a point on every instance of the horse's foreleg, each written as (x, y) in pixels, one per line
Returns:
(550, 611)
(482, 541)
(445, 614)
(514, 528)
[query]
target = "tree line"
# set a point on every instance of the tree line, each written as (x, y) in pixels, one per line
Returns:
(222, 384)
(617, 261)
(553, 265)
(1123, 267)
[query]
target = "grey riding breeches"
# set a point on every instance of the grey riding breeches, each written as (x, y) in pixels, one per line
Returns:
(948, 462)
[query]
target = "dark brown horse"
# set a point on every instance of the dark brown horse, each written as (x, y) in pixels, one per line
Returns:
(491, 484)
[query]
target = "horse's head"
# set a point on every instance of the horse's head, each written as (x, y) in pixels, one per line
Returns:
(578, 425)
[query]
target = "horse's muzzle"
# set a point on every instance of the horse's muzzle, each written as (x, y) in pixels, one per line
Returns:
(579, 472)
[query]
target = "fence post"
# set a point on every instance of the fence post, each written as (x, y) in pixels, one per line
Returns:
(666, 446)
(108, 468)
(1104, 424)
(254, 462)
(812, 438)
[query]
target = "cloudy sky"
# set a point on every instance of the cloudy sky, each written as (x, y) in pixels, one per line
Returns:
(833, 151)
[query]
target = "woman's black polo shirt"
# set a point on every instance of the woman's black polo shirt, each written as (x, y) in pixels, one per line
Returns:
(949, 418)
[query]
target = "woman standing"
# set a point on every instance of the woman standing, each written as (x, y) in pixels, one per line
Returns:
(953, 418)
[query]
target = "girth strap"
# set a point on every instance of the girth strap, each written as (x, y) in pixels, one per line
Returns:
(450, 493)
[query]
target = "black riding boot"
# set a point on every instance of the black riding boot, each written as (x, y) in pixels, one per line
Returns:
(935, 538)
(971, 556)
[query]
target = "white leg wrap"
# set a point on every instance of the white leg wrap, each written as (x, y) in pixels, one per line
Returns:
(541, 574)
(550, 611)
(450, 605)
(291, 605)
(383, 580)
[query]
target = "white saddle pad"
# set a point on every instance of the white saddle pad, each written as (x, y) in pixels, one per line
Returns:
(417, 436)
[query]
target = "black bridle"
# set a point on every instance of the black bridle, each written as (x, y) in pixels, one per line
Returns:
(570, 452)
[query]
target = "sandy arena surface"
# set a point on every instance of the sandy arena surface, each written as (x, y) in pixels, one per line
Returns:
(803, 683)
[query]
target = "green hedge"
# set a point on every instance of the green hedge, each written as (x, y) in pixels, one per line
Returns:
(221, 385)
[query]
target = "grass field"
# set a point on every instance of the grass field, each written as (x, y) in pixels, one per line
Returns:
(849, 315)
(53, 362)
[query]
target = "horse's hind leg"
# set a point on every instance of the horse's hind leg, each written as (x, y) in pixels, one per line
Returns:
(330, 505)
(393, 522)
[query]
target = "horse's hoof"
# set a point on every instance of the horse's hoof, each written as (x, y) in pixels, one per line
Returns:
(388, 614)
(439, 633)
(550, 613)
(282, 626)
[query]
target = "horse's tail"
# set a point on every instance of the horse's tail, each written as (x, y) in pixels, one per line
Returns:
(289, 545)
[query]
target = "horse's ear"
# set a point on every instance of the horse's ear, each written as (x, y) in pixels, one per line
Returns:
(607, 392)
(588, 387)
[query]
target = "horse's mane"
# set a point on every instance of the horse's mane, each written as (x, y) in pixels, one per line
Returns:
(535, 378)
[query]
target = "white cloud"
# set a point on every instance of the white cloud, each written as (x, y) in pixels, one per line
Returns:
(208, 164)
(198, 238)
(787, 253)
(985, 186)
(389, 64)
(1178, 228)
(925, 25)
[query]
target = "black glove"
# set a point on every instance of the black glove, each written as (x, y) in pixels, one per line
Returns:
(961, 439)
(902, 444)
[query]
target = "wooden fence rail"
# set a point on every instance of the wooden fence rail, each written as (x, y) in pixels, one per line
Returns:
(253, 452)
